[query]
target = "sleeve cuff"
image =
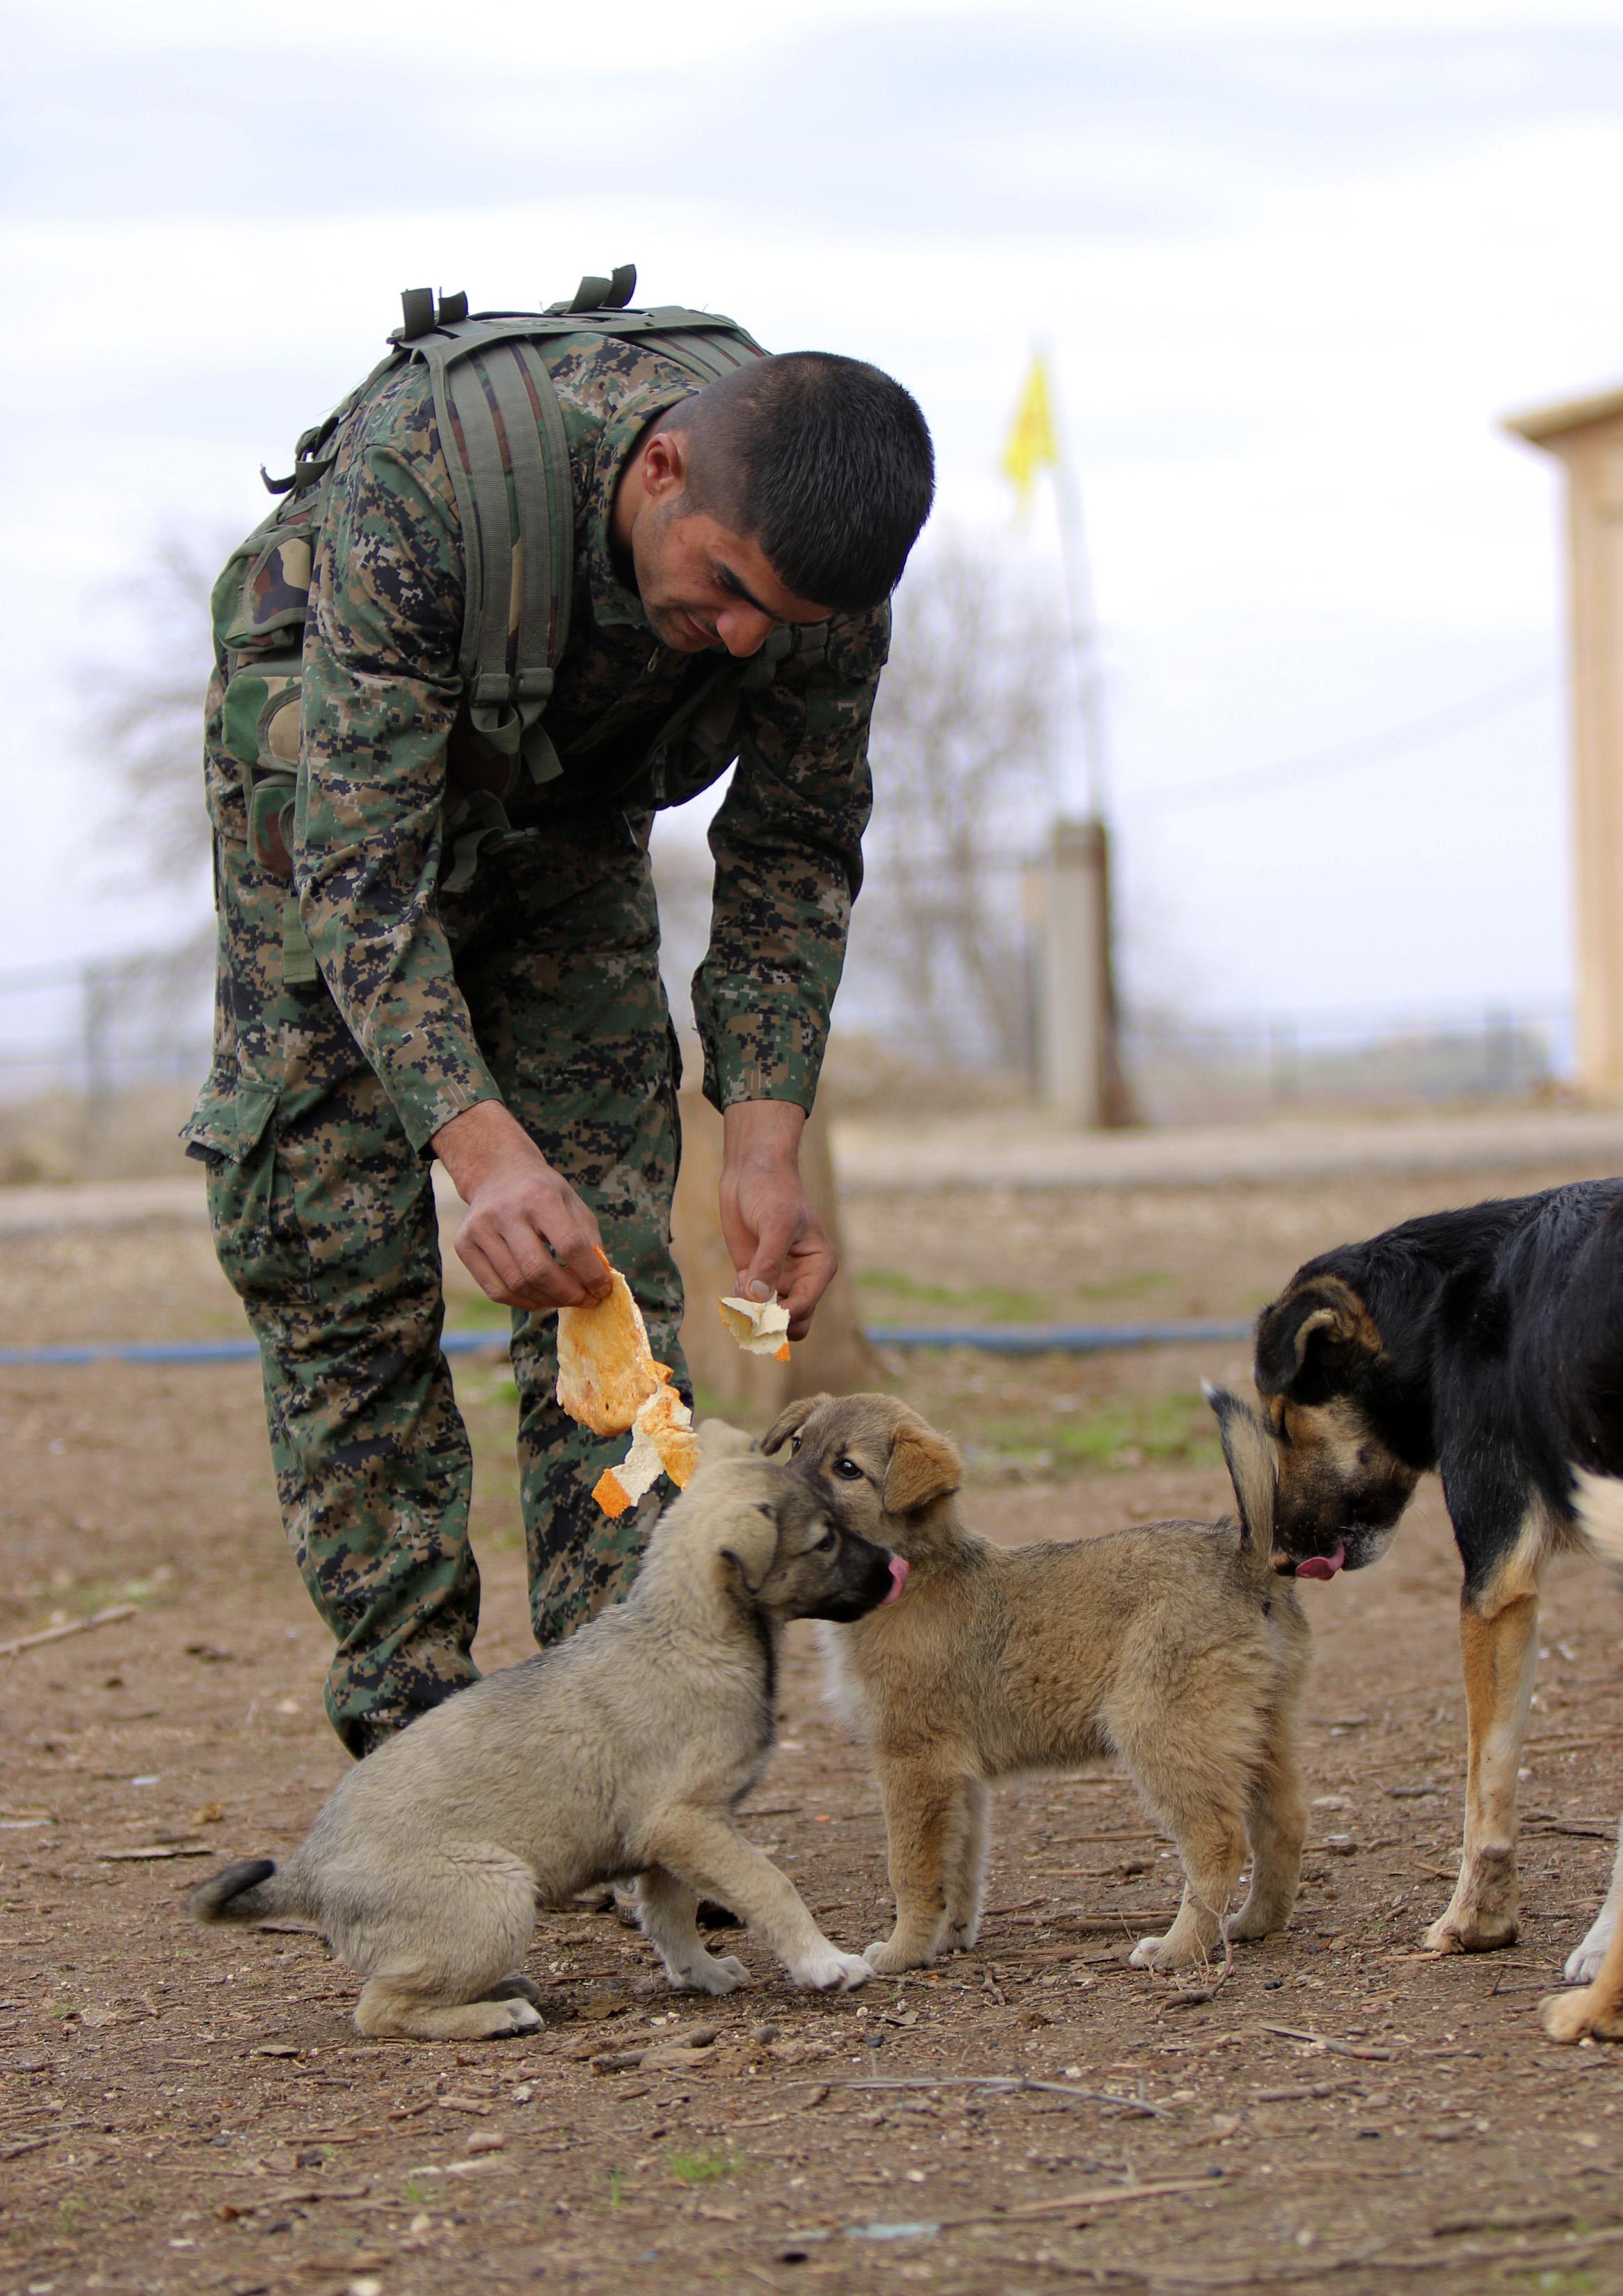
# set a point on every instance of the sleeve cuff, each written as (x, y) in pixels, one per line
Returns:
(424, 1103)
(746, 1059)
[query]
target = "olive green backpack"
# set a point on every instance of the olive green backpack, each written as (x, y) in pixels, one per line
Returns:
(515, 501)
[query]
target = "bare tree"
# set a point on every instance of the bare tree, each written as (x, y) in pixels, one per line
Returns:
(963, 750)
(146, 721)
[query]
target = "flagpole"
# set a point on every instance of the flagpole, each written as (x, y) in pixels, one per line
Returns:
(1080, 1056)
(1084, 623)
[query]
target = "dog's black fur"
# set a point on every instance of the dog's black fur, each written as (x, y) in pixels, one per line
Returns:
(1486, 1343)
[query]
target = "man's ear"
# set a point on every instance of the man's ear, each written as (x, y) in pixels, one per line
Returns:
(790, 1422)
(923, 1466)
(752, 1545)
(664, 463)
(1307, 1327)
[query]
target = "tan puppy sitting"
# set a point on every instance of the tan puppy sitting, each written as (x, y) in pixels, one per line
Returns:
(1173, 1647)
(623, 1751)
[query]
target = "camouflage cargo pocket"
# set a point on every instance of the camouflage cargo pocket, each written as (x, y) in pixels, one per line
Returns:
(259, 728)
(267, 611)
(230, 1118)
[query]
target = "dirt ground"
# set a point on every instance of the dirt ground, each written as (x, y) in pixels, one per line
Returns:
(196, 2112)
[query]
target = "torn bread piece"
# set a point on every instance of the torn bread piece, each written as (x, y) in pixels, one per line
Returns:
(761, 1326)
(606, 1370)
(662, 1442)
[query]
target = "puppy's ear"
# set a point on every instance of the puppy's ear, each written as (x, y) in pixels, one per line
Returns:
(790, 1422)
(923, 1466)
(751, 1544)
(718, 1439)
(1252, 1462)
(1312, 1335)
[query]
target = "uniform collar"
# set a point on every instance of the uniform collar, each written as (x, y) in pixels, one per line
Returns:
(614, 604)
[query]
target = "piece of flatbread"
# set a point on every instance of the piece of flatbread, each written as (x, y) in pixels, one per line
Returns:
(606, 1370)
(761, 1326)
(662, 1443)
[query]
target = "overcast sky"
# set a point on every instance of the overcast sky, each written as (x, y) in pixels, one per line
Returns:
(1294, 263)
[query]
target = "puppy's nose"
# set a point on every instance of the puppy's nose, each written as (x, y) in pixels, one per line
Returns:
(899, 1569)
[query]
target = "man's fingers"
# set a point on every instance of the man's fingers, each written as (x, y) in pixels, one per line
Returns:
(480, 1268)
(764, 1273)
(582, 1262)
(811, 1269)
(509, 1262)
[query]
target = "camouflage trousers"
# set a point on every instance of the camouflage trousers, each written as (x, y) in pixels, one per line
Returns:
(323, 1220)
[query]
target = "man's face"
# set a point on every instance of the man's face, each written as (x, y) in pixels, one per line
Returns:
(706, 589)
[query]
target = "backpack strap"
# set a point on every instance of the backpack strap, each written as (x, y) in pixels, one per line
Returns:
(502, 430)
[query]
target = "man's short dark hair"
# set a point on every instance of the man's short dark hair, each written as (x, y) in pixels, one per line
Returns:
(824, 461)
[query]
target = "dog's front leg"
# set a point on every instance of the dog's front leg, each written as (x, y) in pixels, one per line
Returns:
(666, 1909)
(1497, 1652)
(700, 1848)
(928, 1825)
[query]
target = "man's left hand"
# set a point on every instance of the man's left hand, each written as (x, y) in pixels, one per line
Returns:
(775, 1238)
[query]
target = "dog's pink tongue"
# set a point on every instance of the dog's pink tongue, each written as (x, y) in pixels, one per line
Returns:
(900, 1567)
(1321, 1566)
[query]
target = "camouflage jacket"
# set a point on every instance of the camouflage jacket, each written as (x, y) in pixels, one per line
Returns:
(382, 703)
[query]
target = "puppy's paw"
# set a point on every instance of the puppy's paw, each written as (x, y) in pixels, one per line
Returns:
(1472, 1933)
(508, 2017)
(1169, 1952)
(1584, 1962)
(961, 1936)
(886, 1957)
(1578, 2016)
(714, 1973)
(517, 1988)
(832, 1971)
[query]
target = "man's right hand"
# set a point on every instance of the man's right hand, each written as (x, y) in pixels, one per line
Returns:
(527, 1241)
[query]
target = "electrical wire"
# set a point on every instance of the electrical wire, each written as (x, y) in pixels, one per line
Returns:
(1368, 749)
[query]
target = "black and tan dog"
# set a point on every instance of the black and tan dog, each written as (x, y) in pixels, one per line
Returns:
(1487, 1345)
(1173, 1646)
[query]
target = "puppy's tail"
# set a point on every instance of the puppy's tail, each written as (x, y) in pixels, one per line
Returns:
(1248, 1455)
(256, 1891)
(1597, 1501)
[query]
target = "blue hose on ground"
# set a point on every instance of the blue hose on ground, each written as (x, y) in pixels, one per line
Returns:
(992, 1339)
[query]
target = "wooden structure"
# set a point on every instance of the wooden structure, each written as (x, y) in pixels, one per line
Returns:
(1587, 438)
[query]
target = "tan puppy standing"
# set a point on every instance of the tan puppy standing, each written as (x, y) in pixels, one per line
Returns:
(621, 1752)
(1172, 1647)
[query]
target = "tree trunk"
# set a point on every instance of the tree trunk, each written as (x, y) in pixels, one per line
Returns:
(834, 1356)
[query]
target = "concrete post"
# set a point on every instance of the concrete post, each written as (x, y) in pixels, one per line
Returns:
(1068, 906)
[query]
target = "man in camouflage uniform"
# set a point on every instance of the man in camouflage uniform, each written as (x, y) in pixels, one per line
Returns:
(508, 1017)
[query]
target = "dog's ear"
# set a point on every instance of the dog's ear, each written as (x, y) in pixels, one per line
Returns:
(922, 1466)
(718, 1439)
(1252, 1462)
(1310, 1333)
(751, 1544)
(790, 1422)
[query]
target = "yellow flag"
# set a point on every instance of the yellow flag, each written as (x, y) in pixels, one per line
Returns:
(1032, 445)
